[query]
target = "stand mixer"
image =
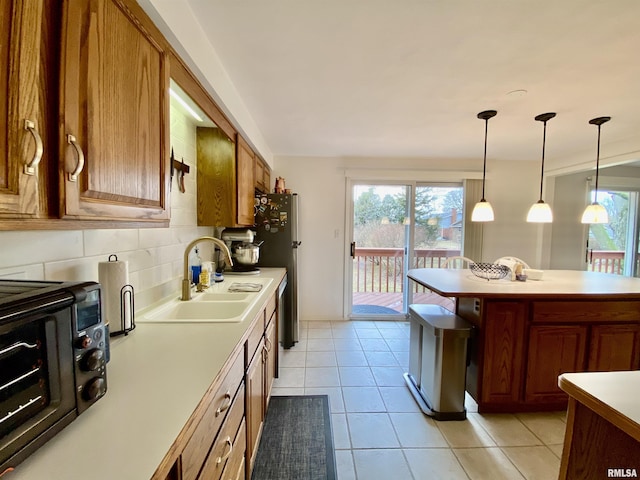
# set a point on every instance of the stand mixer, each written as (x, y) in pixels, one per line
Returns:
(244, 252)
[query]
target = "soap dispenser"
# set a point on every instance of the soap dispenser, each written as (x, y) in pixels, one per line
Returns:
(195, 262)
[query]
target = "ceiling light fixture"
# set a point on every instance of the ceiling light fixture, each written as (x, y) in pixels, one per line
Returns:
(596, 213)
(540, 212)
(483, 212)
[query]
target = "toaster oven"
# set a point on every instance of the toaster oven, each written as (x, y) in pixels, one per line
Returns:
(53, 346)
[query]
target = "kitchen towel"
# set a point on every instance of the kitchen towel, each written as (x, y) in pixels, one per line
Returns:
(113, 276)
(245, 287)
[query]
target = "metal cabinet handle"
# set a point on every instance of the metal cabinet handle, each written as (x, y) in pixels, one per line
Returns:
(225, 407)
(221, 459)
(73, 176)
(30, 167)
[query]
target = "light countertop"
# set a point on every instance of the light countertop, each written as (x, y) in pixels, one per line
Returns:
(612, 395)
(155, 379)
(555, 283)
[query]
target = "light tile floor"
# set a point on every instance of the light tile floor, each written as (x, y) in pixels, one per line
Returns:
(379, 431)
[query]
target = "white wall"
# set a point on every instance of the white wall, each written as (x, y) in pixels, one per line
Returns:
(321, 182)
(154, 254)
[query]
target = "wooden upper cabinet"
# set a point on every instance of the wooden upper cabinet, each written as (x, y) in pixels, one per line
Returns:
(216, 177)
(23, 156)
(262, 175)
(245, 182)
(114, 113)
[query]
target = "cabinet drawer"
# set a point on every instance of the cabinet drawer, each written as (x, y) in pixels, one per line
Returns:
(255, 336)
(227, 442)
(589, 311)
(234, 469)
(198, 446)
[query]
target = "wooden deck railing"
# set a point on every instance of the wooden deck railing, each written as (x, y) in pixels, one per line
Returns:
(381, 269)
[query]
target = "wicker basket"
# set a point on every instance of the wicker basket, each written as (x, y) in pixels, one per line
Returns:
(489, 271)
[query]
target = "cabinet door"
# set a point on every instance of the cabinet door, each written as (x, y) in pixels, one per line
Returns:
(216, 177)
(614, 347)
(271, 352)
(504, 326)
(255, 402)
(553, 349)
(22, 100)
(114, 111)
(245, 183)
(259, 175)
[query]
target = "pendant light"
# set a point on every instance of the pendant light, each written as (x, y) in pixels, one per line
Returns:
(483, 212)
(596, 213)
(540, 212)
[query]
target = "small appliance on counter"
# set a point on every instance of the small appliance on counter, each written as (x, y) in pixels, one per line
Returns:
(52, 361)
(245, 253)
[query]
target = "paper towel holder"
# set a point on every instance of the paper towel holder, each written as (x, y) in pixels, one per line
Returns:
(126, 301)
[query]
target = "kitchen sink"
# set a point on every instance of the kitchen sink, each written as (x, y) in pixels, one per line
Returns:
(221, 311)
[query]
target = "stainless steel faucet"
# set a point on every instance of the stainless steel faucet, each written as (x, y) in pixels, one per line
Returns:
(186, 284)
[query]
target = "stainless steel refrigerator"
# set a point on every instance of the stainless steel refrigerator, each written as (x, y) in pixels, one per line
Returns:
(276, 224)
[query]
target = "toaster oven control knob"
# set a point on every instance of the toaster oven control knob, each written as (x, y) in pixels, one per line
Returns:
(93, 360)
(84, 341)
(95, 388)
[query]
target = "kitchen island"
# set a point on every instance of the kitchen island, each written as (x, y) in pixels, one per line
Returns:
(160, 380)
(528, 333)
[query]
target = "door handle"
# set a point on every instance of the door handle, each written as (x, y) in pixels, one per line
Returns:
(353, 249)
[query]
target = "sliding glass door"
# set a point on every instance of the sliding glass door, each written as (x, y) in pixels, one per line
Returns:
(396, 228)
(379, 248)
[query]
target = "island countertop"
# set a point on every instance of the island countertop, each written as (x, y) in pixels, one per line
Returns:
(527, 333)
(554, 284)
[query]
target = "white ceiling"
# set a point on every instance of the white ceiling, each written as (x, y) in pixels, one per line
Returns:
(406, 78)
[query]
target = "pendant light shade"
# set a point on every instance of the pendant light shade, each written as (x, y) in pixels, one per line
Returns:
(540, 212)
(483, 212)
(596, 213)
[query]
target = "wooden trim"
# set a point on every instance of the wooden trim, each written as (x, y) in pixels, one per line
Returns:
(182, 75)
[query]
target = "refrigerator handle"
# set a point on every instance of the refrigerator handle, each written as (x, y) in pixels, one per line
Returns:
(353, 249)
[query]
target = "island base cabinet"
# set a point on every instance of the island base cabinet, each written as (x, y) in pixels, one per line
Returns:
(614, 347)
(553, 350)
(593, 447)
(502, 343)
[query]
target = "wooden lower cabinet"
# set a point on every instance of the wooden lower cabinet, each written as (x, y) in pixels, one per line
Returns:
(229, 395)
(503, 342)
(520, 347)
(255, 409)
(553, 350)
(221, 437)
(614, 347)
(227, 442)
(271, 352)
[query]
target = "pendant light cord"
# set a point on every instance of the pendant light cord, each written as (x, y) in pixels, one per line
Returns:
(544, 141)
(484, 165)
(595, 197)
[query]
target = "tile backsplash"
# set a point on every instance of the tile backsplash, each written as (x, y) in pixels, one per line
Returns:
(154, 255)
